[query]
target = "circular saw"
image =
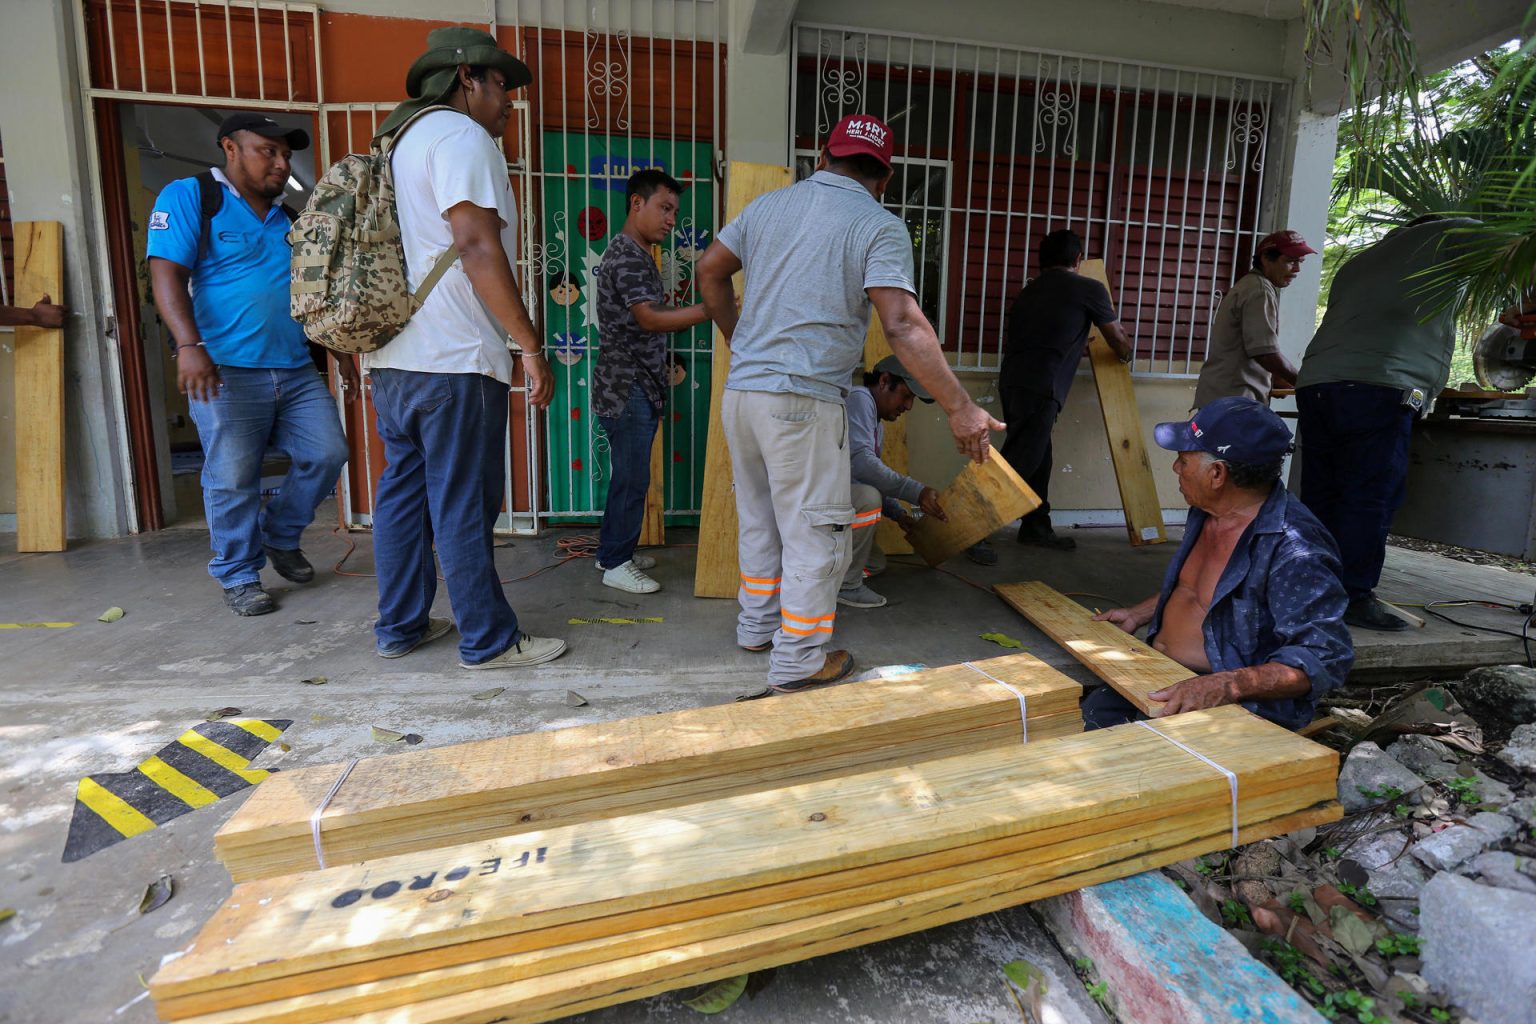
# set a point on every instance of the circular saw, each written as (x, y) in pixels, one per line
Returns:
(1504, 358)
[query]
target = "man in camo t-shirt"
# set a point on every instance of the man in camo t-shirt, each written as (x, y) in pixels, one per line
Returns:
(629, 382)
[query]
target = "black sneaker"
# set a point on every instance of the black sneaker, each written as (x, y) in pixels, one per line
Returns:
(249, 599)
(981, 553)
(1045, 538)
(291, 565)
(1370, 613)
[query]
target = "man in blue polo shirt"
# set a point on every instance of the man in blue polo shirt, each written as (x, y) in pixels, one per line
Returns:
(242, 360)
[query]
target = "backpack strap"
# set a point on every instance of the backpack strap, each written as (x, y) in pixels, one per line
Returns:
(210, 200)
(449, 255)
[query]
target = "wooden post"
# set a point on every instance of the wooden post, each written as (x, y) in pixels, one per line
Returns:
(1122, 424)
(890, 537)
(653, 528)
(718, 571)
(39, 407)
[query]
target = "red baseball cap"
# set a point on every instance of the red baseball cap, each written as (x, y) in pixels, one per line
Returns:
(861, 133)
(1290, 244)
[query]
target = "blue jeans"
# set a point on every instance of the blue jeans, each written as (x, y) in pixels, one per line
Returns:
(629, 454)
(291, 410)
(1354, 470)
(445, 440)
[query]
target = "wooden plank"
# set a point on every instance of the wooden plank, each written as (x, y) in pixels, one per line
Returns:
(39, 379)
(891, 538)
(664, 861)
(1115, 656)
(1122, 426)
(980, 499)
(717, 571)
(653, 528)
(992, 866)
(421, 799)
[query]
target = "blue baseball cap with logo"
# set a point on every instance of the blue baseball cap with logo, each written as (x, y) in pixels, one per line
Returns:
(1233, 430)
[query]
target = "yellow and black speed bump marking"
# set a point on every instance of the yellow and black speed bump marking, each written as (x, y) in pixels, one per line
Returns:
(209, 761)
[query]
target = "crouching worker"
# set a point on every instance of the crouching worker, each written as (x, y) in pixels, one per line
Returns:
(1252, 603)
(886, 394)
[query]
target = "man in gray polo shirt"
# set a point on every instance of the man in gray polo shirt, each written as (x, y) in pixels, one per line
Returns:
(816, 256)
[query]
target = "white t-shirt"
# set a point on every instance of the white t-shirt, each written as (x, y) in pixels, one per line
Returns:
(443, 159)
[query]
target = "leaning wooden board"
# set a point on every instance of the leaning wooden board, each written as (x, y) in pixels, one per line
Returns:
(420, 799)
(39, 378)
(982, 497)
(651, 871)
(1115, 656)
(665, 862)
(891, 538)
(717, 572)
(1122, 426)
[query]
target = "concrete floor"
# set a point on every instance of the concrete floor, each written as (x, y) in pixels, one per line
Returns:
(99, 697)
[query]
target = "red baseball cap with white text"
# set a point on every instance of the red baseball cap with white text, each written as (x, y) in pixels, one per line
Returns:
(861, 133)
(1290, 244)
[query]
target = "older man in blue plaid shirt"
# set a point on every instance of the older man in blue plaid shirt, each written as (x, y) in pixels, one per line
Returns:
(1252, 603)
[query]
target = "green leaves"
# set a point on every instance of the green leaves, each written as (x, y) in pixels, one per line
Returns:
(110, 615)
(1003, 640)
(720, 996)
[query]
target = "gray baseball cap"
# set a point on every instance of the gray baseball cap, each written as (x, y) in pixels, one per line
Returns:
(892, 366)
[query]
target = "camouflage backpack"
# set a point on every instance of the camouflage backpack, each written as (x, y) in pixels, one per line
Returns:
(348, 282)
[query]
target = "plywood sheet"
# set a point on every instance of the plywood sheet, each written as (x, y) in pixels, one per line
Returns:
(1122, 426)
(653, 530)
(717, 572)
(1115, 656)
(980, 499)
(39, 408)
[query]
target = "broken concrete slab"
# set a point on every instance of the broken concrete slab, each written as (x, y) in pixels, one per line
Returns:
(1164, 962)
(1520, 752)
(1500, 697)
(1473, 934)
(1453, 846)
(1503, 870)
(1424, 756)
(1368, 773)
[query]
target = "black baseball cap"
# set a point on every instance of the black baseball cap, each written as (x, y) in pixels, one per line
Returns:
(1233, 430)
(261, 124)
(892, 366)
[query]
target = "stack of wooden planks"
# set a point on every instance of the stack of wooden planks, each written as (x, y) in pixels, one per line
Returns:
(550, 923)
(420, 800)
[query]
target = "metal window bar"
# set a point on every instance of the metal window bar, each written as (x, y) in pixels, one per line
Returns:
(1124, 152)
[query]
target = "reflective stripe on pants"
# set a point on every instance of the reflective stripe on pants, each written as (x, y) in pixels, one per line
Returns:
(789, 457)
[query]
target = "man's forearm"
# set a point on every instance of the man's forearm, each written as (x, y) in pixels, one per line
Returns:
(660, 319)
(1279, 368)
(917, 347)
(719, 303)
(1270, 681)
(174, 302)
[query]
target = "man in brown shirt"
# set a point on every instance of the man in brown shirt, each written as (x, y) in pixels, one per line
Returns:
(1244, 354)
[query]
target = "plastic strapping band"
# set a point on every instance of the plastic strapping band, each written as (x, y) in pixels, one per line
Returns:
(1231, 775)
(1023, 704)
(314, 819)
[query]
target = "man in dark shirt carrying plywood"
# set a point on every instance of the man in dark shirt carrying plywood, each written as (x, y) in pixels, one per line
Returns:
(629, 386)
(1047, 333)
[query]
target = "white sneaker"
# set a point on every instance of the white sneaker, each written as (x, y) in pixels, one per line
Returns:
(630, 579)
(640, 562)
(860, 597)
(529, 650)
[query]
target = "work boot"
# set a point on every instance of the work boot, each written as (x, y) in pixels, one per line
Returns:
(630, 579)
(860, 597)
(839, 665)
(1370, 613)
(249, 599)
(529, 650)
(981, 553)
(1041, 535)
(290, 565)
(641, 562)
(436, 629)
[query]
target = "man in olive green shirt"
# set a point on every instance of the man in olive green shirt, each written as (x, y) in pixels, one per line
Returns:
(1382, 353)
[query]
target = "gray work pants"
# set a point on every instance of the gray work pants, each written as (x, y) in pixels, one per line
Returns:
(867, 504)
(789, 456)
